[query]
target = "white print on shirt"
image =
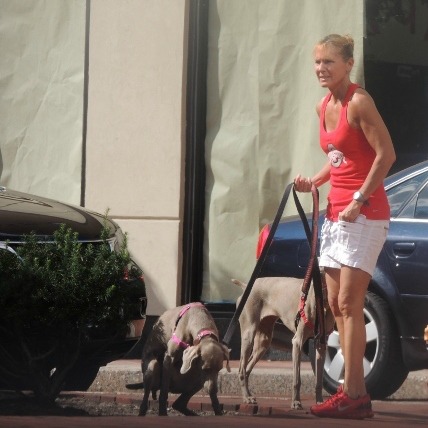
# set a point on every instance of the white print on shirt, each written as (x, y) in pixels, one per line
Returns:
(336, 157)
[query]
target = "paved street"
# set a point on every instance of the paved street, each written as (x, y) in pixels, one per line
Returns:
(388, 414)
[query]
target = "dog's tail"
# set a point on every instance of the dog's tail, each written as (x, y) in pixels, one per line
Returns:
(139, 385)
(239, 283)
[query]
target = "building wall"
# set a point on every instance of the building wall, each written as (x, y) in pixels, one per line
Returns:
(42, 45)
(135, 136)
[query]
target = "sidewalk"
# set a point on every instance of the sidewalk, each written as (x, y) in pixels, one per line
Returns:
(270, 382)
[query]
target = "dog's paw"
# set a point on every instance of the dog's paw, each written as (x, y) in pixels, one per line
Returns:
(296, 405)
(143, 409)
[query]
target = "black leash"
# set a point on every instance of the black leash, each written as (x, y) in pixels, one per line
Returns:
(313, 268)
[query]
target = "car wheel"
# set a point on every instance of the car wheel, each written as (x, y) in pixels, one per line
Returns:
(384, 369)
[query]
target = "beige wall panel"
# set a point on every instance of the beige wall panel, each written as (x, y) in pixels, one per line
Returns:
(153, 248)
(134, 142)
(135, 131)
(42, 47)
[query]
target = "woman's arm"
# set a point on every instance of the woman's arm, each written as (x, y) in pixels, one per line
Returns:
(364, 114)
(304, 184)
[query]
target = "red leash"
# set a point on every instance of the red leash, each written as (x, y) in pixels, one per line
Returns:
(312, 272)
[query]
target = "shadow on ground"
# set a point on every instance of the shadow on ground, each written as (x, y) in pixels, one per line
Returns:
(20, 404)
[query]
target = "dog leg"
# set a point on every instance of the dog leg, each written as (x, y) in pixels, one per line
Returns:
(257, 340)
(296, 356)
(181, 403)
(246, 351)
(144, 404)
(261, 342)
(165, 379)
(151, 373)
(213, 390)
(319, 370)
(148, 379)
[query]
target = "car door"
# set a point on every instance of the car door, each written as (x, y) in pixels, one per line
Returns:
(407, 247)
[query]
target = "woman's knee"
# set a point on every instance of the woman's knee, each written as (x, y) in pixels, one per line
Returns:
(350, 305)
(334, 306)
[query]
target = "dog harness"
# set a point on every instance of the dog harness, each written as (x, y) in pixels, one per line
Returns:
(201, 334)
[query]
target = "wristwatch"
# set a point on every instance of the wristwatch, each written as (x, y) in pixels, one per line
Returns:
(359, 197)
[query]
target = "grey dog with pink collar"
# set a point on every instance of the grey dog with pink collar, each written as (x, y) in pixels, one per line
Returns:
(182, 355)
(199, 336)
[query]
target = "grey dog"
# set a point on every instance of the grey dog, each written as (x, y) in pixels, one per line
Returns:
(181, 355)
(270, 299)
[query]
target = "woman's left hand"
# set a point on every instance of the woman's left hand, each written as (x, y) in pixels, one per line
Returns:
(351, 212)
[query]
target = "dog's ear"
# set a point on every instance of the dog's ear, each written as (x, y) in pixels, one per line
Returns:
(226, 352)
(189, 355)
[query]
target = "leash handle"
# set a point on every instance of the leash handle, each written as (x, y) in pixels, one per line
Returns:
(234, 321)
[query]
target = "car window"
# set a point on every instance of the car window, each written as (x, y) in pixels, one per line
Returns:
(421, 209)
(417, 207)
(402, 193)
(409, 209)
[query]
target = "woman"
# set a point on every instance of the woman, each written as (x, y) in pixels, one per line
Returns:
(360, 154)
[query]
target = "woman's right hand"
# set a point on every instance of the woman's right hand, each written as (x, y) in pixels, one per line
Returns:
(303, 184)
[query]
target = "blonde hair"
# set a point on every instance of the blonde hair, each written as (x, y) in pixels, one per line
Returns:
(345, 44)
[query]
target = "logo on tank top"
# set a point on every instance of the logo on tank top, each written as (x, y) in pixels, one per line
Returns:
(335, 156)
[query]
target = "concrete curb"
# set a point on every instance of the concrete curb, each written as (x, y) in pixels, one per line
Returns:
(268, 379)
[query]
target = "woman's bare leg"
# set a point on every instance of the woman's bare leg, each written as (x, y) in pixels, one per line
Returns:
(347, 288)
(353, 288)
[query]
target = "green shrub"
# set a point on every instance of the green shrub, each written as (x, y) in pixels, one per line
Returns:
(54, 296)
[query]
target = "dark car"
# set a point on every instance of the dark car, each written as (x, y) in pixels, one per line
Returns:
(396, 306)
(22, 214)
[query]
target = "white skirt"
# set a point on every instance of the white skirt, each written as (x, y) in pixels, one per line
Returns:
(356, 244)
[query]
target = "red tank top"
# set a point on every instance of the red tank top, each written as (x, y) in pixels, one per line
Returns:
(351, 158)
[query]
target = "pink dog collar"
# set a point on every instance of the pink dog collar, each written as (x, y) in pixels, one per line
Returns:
(204, 333)
(174, 337)
(179, 342)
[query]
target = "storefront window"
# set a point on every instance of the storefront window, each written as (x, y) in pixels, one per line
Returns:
(396, 73)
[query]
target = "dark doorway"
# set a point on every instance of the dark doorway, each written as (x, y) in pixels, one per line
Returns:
(396, 73)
